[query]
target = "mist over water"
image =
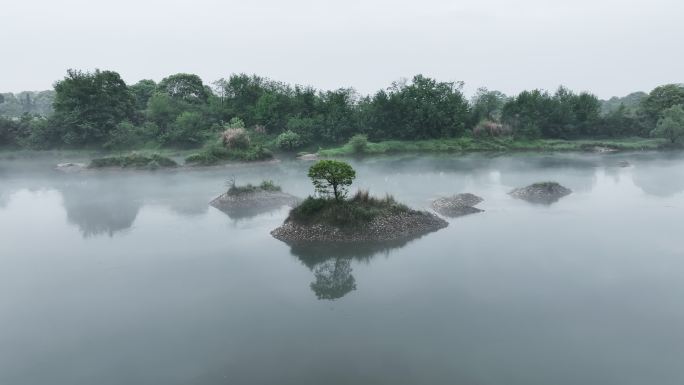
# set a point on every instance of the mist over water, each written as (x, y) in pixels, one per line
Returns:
(132, 278)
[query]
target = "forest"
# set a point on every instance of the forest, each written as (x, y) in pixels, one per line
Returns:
(99, 110)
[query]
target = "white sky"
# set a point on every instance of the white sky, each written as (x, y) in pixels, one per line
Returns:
(610, 47)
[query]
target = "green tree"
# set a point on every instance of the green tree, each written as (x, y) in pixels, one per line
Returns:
(332, 178)
(660, 99)
(124, 136)
(187, 130)
(671, 125)
(186, 87)
(143, 91)
(289, 140)
(486, 105)
(162, 110)
(90, 105)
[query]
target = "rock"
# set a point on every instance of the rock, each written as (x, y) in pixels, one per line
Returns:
(70, 167)
(623, 163)
(308, 157)
(544, 192)
(602, 149)
(457, 205)
(249, 204)
(392, 227)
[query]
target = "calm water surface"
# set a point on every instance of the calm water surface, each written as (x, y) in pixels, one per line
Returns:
(131, 278)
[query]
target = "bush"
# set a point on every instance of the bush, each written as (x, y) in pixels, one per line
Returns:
(289, 140)
(354, 212)
(492, 129)
(134, 160)
(266, 185)
(358, 143)
(235, 138)
(216, 153)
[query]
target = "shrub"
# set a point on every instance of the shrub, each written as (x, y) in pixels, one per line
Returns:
(259, 129)
(134, 160)
(289, 140)
(235, 138)
(359, 143)
(489, 128)
(268, 185)
(216, 153)
(355, 212)
(236, 123)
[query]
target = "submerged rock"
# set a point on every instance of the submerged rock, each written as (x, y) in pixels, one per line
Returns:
(70, 167)
(457, 205)
(308, 157)
(245, 204)
(544, 192)
(383, 228)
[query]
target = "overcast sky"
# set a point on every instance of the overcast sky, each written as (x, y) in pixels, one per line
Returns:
(610, 47)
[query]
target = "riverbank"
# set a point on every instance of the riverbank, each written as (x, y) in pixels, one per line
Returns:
(455, 145)
(465, 144)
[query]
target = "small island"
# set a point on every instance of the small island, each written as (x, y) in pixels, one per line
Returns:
(133, 161)
(542, 192)
(249, 200)
(457, 205)
(332, 217)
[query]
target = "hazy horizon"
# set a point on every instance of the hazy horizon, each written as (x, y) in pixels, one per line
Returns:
(610, 47)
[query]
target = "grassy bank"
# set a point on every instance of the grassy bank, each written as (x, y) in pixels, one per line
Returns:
(466, 144)
(134, 160)
(354, 212)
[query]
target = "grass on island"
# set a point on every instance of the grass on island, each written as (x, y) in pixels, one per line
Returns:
(134, 160)
(470, 144)
(266, 185)
(215, 153)
(353, 212)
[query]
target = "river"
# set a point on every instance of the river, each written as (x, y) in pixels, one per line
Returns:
(132, 278)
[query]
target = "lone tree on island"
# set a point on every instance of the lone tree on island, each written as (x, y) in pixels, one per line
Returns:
(332, 178)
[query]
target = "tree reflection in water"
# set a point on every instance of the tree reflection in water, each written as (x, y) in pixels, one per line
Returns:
(333, 279)
(331, 263)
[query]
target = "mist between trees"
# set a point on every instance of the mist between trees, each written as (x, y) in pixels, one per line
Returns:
(99, 110)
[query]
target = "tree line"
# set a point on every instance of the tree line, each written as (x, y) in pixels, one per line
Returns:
(99, 110)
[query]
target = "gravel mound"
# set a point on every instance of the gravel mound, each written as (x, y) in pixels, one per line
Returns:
(545, 192)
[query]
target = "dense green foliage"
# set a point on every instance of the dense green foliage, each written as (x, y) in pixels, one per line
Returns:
(216, 153)
(27, 102)
(289, 140)
(354, 212)
(671, 124)
(332, 178)
(358, 143)
(99, 110)
(134, 160)
(469, 144)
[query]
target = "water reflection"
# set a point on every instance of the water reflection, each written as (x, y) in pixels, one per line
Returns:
(246, 212)
(333, 279)
(98, 210)
(331, 263)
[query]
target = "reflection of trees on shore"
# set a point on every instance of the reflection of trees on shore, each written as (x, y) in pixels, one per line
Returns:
(331, 263)
(659, 178)
(96, 209)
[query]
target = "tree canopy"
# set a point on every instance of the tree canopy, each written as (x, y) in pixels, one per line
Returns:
(88, 108)
(332, 178)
